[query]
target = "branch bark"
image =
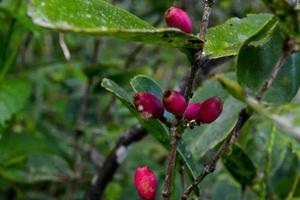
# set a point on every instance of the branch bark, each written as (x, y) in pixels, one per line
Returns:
(171, 163)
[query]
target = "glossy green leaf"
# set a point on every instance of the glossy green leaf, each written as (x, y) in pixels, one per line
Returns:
(146, 84)
(153, 126)
(206, 136)
(239, 165)
(256, 61)
(228, 38)
(13, 95)
(255, 138)
(98, 17)
(286, 117)
(39, 168)
(16, 147)
(287, 15)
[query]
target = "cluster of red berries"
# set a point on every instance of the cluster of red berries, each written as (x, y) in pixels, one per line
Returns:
(174, 102)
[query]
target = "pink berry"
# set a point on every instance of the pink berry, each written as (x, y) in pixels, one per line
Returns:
(145, 183)
(148, 105)
(192, 111)
(210, 110)
(175, 17)
(174, 102)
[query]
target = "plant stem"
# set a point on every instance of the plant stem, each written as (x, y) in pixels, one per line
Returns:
(199, 58)
(282, 59)
(166, 193)
(197, 62)
(244, 115)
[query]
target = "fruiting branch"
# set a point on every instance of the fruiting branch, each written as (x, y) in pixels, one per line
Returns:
(244, 115)
(196, 63)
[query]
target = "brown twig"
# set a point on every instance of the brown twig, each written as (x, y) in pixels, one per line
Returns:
(198, 60)
(176, 135)
(65, 49)
(244, 115)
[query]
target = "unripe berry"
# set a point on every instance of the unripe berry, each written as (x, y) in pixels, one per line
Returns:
(192, 110)
(174, 102)
(145, 183)
(175, 17)
(148, 105)
(210, 110)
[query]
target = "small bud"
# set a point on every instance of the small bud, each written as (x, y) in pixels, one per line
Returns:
(174, 102)
(175, 17)
(210, 110)
(148, 105)
(192, 111)
(145, 183)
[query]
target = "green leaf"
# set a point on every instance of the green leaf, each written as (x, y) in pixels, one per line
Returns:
(228, 38)
(145, 84)
(201, 139)
(39, 168)
(13, 95)
(286, 117)
(256, 61)
(255, 138)
(98, 17)
(16, 147)
(287, 16)
(153, 126)
(239, 165)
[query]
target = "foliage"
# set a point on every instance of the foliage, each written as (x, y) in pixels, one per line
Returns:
(62, 117)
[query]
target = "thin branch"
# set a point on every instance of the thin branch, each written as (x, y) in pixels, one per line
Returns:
(199, 58)
(96, 50)
(275, 71)
(176, 135)
(112, 162)
(244, 115)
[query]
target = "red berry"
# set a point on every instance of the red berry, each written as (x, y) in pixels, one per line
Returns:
(175, 17)
(145, 183)
(192, 111)
(148, 105)
(210, 110)
(174, 102)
